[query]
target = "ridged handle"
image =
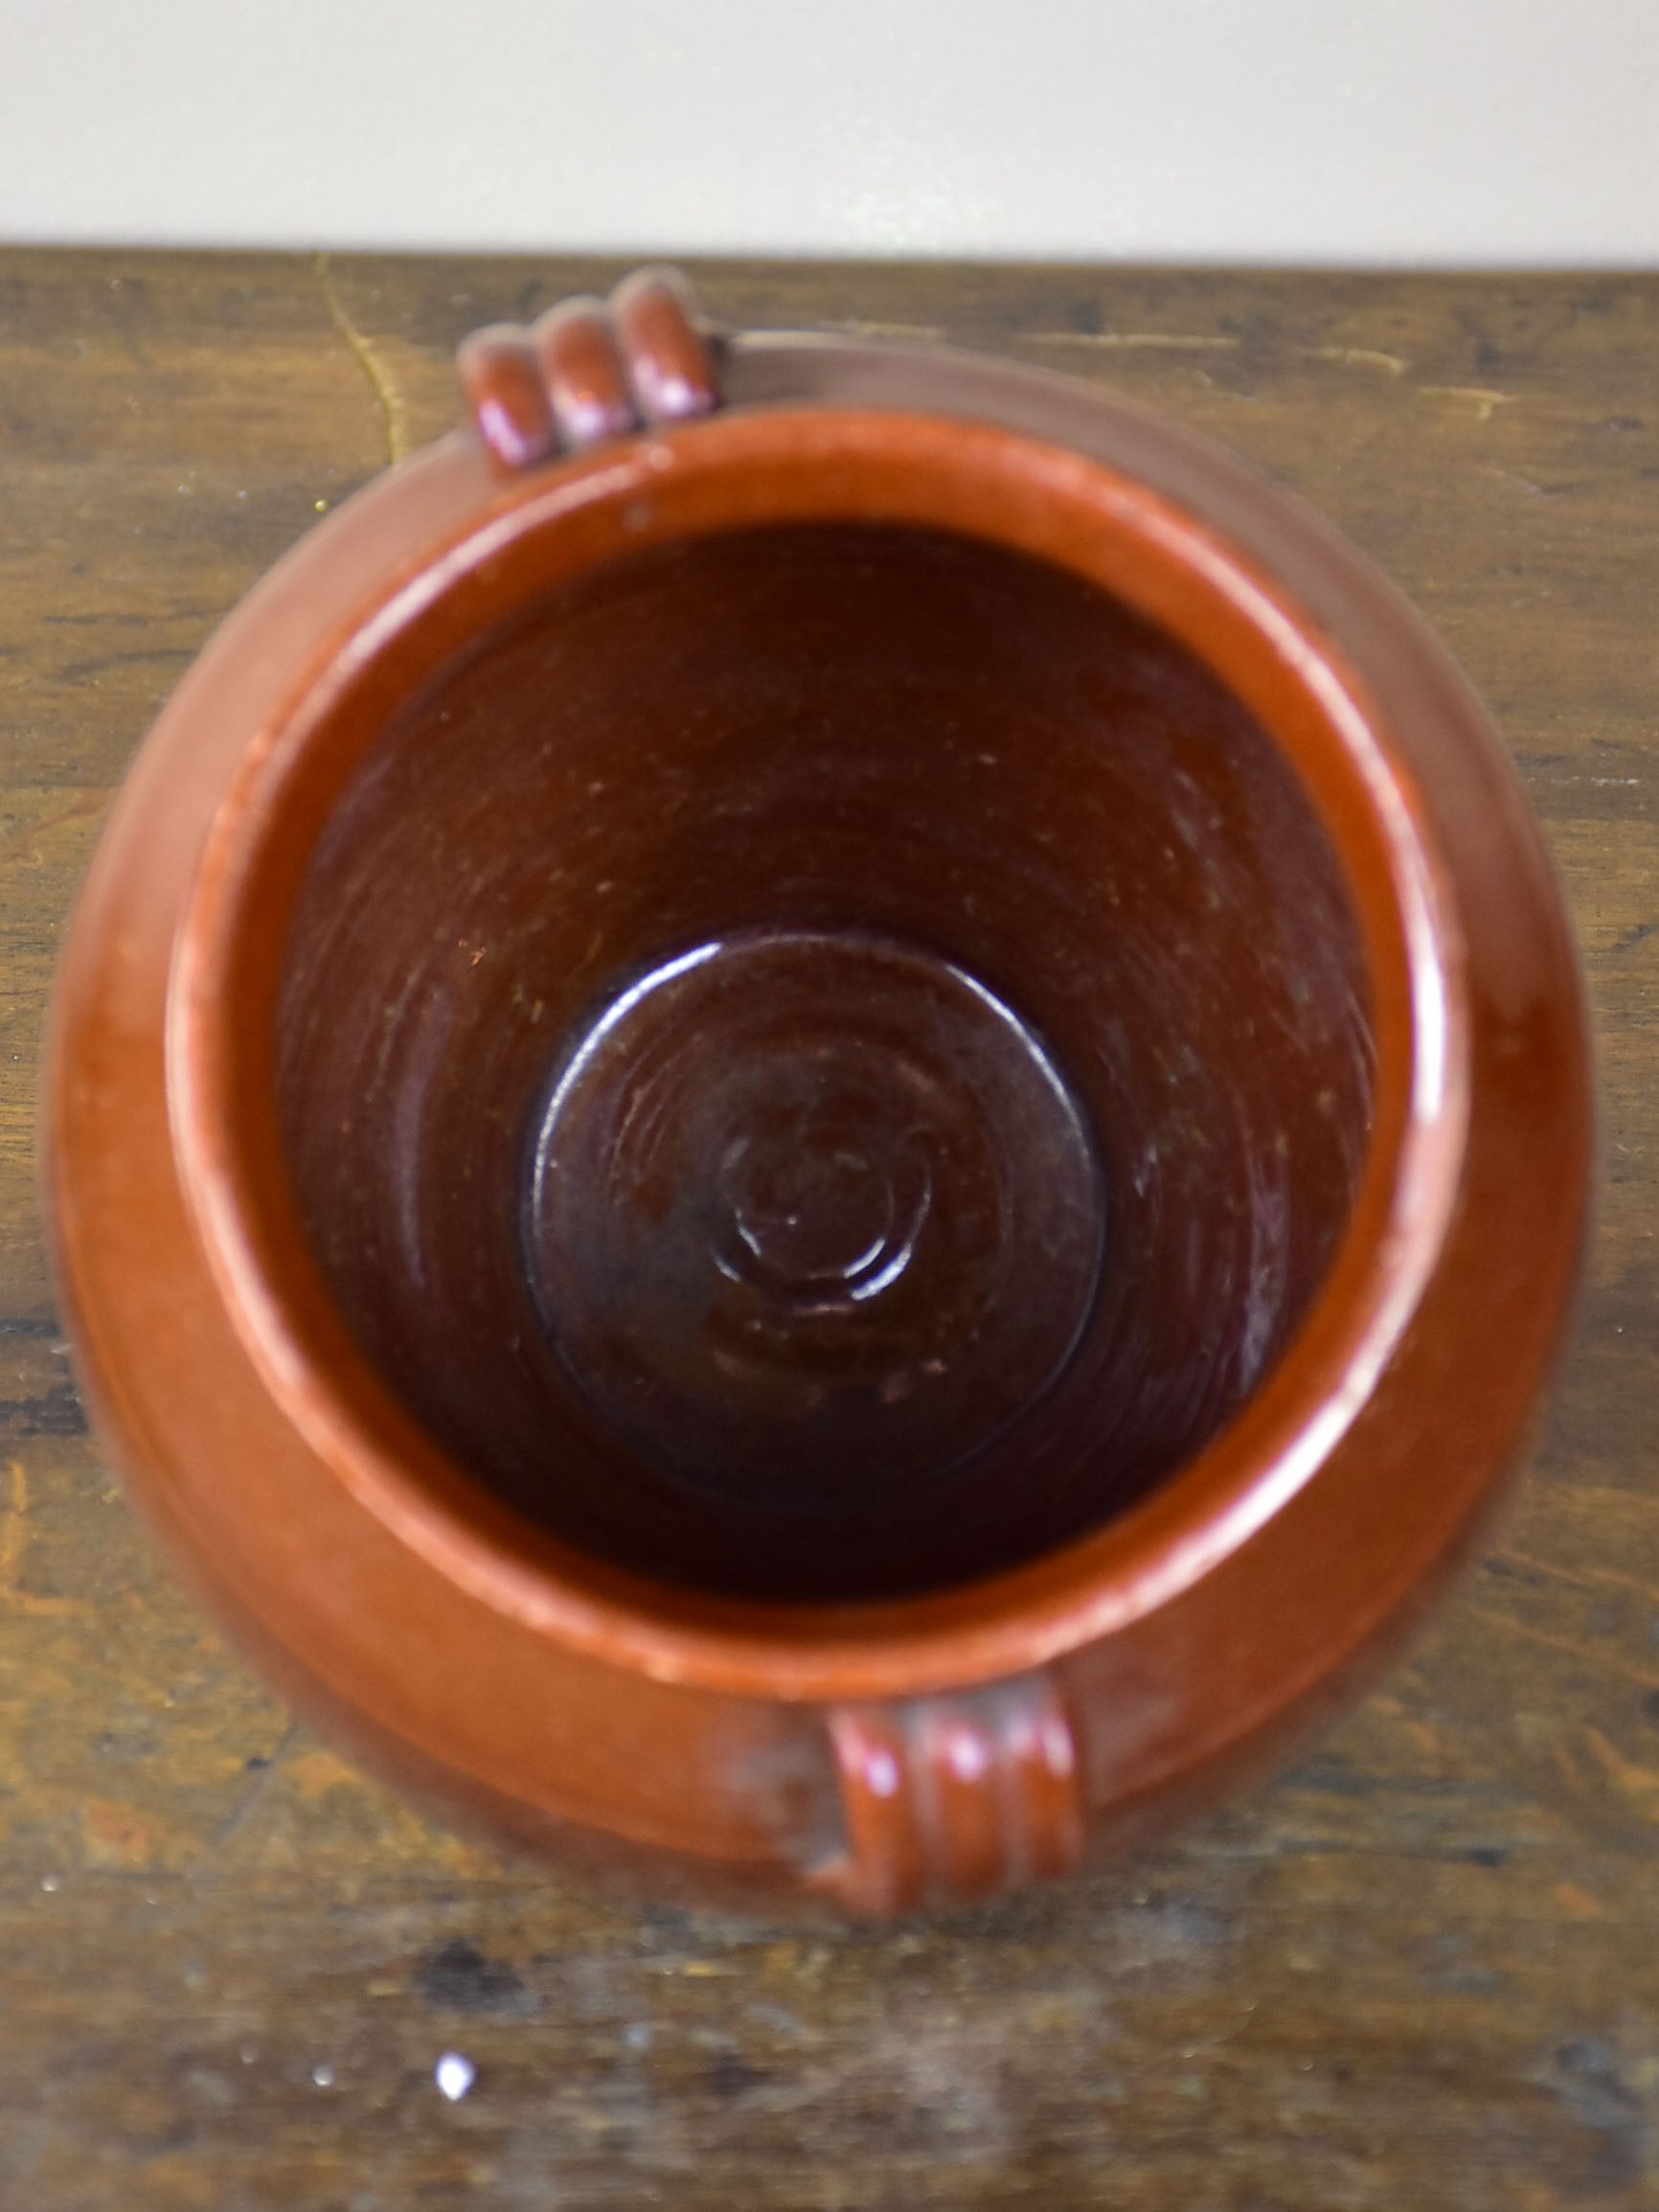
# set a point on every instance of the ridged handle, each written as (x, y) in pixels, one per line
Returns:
(589, 370)
(959, 1796)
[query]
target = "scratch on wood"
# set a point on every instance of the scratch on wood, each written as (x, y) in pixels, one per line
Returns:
(1587, 1653)
(857, 327)
(258, 1784)
(1150, 341)
(1582, 1578)
(1525, 483)
(385, 391)
(24, 848)
(1633, 1781)
(1577, 1904)
(1360, 357)
(78, 670)
(1480, 396)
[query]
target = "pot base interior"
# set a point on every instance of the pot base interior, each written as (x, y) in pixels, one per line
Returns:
(823, 1062)
(811, 1216)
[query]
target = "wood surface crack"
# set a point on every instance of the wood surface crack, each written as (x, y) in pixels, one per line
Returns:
(386, 394)
(13, 1544)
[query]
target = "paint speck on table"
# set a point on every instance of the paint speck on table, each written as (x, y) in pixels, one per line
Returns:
(454, 2075)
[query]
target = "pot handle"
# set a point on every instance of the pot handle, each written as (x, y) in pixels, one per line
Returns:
(958, 1797)
(590, 370)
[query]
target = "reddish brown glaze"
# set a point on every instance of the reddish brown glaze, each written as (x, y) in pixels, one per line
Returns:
(587, 372)
(504, 380)
(586, 378)
(669, 361)
(958, 1797)
(800, 1141)
(754, 961)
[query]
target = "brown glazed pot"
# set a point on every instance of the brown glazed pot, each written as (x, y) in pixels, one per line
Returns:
(820, 1116)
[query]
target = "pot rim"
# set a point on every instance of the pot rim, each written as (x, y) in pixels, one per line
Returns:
(746, 468)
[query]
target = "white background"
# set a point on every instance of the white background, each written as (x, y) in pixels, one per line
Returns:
(1392, 132)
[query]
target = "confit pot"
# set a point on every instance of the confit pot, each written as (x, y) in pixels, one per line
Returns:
(819, 1119)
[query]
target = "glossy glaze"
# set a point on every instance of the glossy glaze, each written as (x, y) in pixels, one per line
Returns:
(466, 1274)
(589, 371)
(916, 874)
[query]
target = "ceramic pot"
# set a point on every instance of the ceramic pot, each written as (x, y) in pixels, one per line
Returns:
(819, 1119)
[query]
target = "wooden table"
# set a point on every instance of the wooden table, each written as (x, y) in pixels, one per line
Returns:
(1419, 1972)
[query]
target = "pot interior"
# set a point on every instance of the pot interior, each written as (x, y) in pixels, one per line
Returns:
(824, 1061)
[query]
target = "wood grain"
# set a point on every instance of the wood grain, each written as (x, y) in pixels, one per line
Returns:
(1420, 1971)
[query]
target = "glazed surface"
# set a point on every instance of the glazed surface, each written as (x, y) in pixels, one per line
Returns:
(815, 906)
(1101, 1688)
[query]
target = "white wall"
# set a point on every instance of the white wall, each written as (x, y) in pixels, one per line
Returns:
(1460, 131)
